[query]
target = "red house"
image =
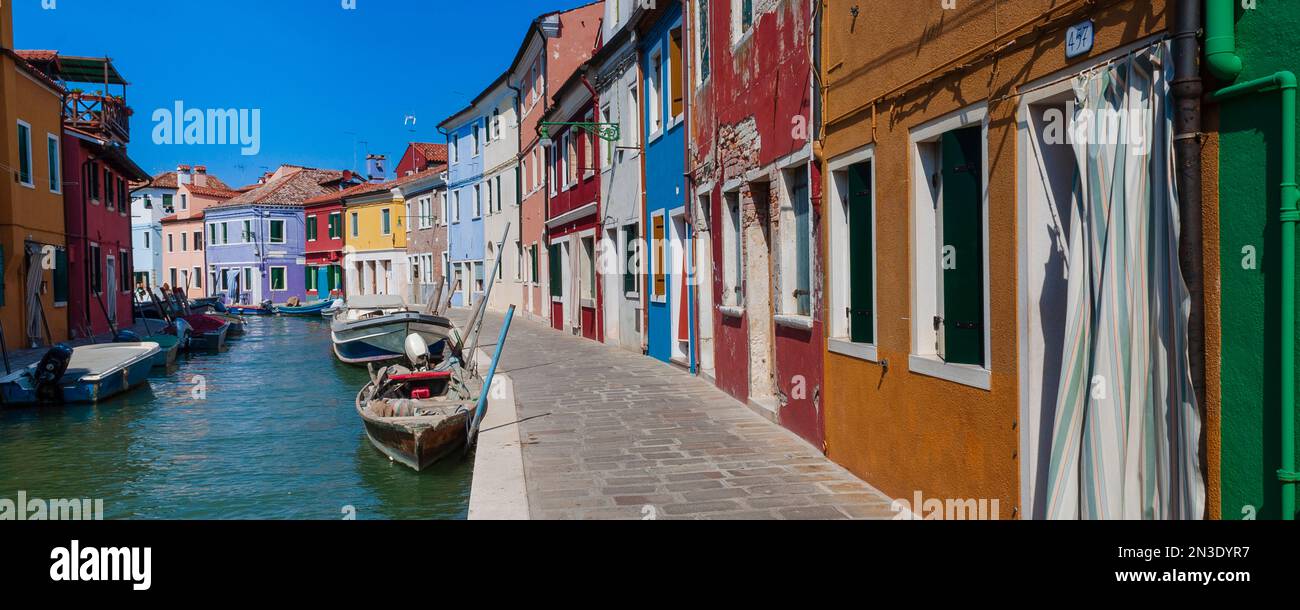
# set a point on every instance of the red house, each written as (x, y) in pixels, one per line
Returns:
(573, 208)
(97, 210)
(420, 156)
(756, 183)
(325, 240)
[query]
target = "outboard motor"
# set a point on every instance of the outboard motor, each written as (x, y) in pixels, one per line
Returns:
(126, 336)
(50, 370)
(183, 332)
(417, 351)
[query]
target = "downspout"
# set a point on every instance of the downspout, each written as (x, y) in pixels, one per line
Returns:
(1187, 92)
(688, 182)
(1223, 59)
(447, 275)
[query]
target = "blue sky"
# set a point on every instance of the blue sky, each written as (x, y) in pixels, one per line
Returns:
(331, 83)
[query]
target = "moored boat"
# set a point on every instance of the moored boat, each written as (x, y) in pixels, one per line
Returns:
(250, 310)
(208, 333)
(306, 309)
(88, 374)
(381, 337)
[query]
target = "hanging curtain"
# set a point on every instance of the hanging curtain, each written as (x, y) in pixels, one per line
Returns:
(35, 313)
(1126, 432)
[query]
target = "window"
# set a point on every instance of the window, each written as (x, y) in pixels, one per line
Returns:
(606, 147)
(676, 98)
(950, 312)
(632, 130)
(442, 201)
(588, 268)
(742, 19)
(478, 277)
(796, 276)
(278, 276)
(658, 237)
(124, 272)
(519, 261)
(733, 260)
(225, 233)
(455, 208)
(61, 276)
(702, 42)
(167, 204)
(631, 260)
(312, 228)
(93, 169)
(554, 269)
(477, 143)
(55, 163)
(356, 225)
(336, 225)
(499, 196)
(198, 278)
(185, 201)
(654, 94)
(277, 231)
(571, 159)
(146, 239)
(25, 154)
(478, 203)
(198, 240)
(121, 196)
(108, 189)
(494, 130)
(248, 278)
(491, 207)
(310, 279)
(532, 262)
(185, 241)
(852, 234)
(171, 271)
(588, 148)
(212, 234)
(451, 149)
(248, 232)
(171, 242)
(96, 270)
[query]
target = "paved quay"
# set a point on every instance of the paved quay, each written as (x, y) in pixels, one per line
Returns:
(610, 434)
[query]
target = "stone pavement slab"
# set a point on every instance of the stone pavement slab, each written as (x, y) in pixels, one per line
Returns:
(611, 434)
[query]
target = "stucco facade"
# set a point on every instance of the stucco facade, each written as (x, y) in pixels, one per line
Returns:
(501, 194)
(895, 414)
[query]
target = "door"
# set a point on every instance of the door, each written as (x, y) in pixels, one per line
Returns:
(109, 283)
(323, 284)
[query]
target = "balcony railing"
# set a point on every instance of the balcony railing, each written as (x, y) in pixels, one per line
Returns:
(98, 114)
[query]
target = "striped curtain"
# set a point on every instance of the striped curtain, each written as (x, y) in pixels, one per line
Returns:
(1126, 432)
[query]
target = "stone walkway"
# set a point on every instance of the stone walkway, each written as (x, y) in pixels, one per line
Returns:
(610, 434)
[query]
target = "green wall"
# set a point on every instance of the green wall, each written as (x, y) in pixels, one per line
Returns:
(1268, 39)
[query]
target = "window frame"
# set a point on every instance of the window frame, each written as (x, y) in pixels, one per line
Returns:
(270, 277)
(839, 275)
(54, 154)
(270, 231)
(26, 156)
(733, 271)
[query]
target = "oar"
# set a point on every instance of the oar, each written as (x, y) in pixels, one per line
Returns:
(481, 409)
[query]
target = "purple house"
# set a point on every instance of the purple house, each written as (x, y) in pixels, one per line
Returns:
(256, 241)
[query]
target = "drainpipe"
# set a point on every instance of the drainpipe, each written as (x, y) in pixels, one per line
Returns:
(1187, 92)
(1223, 62)
(447, 273)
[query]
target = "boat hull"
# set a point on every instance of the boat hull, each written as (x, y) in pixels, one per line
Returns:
(246, 310)
(210, 342)
(418, 442)
(83, 384)
(310, 309)
(383, 339)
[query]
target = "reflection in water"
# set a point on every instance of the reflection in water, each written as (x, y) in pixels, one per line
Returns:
(264, 431)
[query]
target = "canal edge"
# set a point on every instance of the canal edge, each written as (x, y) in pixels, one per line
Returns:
(498, 491)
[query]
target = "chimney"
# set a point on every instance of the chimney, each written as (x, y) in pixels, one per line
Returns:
(183, 174)
(201, 175)
(375, 168)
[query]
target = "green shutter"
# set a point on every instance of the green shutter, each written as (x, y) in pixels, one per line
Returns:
(803, 244)
(277, 231)
(629, 259)
(861, 283)
(557, 287)
(961, 256)
(310, 278)
(60, 275)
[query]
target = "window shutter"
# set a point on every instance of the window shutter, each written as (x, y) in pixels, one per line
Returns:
(961, 256)
(629, 259)
(861, 284)
(557, 286)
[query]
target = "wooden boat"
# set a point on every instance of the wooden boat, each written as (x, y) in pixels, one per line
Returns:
(236, 324)
(307, 309)
(375, 330)
(413, 431)
(88, 374)
(208, 333)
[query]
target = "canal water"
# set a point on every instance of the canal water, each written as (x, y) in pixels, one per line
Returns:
(266, 430)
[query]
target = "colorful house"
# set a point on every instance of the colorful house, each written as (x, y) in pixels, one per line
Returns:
(613, 72)
(1251, 442)
(974, 329)
(757, 189)
(33, 296)
(501, 195)
(573, 208)
(151, 201)
(324, 235)
(96, 215)
(670, 313)
(257, 239)
(375, 260)
(425, 195)
(466, 132)
(554, 46)
(183, 242)
(420, 156)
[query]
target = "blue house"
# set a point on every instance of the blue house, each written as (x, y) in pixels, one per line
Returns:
(466, 141)
(670, 332)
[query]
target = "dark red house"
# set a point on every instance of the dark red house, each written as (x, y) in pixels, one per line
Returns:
(97, 200)
(756, 183)
(420, 156)
(573, 208)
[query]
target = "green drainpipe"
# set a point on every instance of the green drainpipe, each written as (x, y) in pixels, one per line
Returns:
(1224, 63)
(1288, 215)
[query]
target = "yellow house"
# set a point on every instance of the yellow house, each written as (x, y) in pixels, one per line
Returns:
(33, 293)
(374, 259)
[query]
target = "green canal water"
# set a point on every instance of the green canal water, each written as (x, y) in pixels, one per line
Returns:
(275, 437)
